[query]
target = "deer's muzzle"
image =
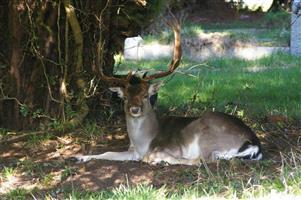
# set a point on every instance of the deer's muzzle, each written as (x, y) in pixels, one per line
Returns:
(135, 111)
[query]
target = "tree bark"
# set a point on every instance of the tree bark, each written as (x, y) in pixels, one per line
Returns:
(295, 44)
(34, 66)
(15, 58)
(77, 33)
(83, 108)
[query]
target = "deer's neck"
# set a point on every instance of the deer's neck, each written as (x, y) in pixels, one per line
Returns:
(142, 131)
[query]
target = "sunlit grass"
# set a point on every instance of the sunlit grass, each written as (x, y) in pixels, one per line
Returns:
(7, 172)
(272, 29)
(261, 87)
(226, 182)
(259, 37)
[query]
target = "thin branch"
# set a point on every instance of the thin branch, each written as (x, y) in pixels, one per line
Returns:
(5, 97)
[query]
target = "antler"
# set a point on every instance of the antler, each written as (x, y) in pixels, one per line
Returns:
(110, 79)
(114, 80)
(177, 54)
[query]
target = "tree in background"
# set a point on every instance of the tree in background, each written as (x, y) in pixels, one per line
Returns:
(51, 52)
(295, 44)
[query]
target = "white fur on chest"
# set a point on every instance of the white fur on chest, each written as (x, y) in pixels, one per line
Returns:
(140, 136)
(135, 129)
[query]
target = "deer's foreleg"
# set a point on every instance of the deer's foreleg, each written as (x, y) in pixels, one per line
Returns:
(117, 156)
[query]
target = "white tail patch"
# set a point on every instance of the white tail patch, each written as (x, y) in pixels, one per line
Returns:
(258, 157)
(251, 151)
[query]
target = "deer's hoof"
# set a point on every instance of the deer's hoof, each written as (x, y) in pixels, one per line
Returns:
(78, 159)
(71, 159)
(154, 161)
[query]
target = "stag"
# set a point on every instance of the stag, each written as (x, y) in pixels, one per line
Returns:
(175, 140)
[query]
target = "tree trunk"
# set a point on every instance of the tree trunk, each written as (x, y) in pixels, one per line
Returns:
(83, 108)
(295, 44)
(15, 59)
(38, 81)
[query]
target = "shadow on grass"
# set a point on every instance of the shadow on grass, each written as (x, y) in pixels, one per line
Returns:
(281, 157)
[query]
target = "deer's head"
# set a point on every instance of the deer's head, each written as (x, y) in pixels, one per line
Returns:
(137, 96)
(137, 92)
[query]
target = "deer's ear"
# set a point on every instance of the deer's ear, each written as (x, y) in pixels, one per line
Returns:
(154, 88)
(119, 91)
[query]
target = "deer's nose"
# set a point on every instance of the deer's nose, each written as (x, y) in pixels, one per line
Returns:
(135, 110)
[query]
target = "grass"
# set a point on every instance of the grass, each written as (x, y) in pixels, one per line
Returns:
(17, 194)
(260, 37)
(8, 172)
(67, 171)
(226, 182)
(271, 30)
(271, 19)
(123, 192)
(92, 130)
(38, 139)
(261, 87)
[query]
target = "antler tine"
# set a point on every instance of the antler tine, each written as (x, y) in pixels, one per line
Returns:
(177, 54)
(109, 79)
(114, 80)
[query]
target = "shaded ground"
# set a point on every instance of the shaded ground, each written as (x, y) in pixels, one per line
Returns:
(41, 167)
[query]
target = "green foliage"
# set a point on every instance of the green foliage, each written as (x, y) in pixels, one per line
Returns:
(3, 133)
(37, 113)
(35, 139)
(17, 194)
(47, 179)
(276, 19)
(68, 171)
(29, 112)
(56, 125)
(24, 110)
(8, 172)
(70, 113)
(30, 167)
(92, 130)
